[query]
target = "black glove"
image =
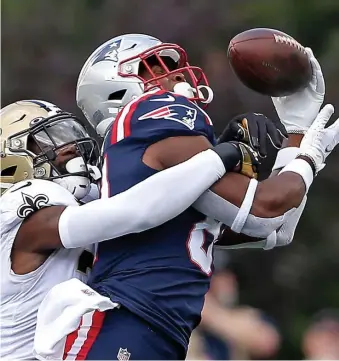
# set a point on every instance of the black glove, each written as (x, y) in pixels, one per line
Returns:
(254, 129)
(238, 157)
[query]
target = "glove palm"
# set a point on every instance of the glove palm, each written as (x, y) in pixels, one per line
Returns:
(298, 111)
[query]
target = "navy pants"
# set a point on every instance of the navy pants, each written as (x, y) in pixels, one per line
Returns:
(119, 335)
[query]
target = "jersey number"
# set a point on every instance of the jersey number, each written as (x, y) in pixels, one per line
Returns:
(195, 246)
(196, 240)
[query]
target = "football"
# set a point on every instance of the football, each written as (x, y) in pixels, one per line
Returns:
(269, 61)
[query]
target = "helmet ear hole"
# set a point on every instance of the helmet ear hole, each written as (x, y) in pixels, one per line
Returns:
(9, 172)
(118, 95)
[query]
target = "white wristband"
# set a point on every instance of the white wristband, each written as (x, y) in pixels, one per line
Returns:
(244, 210)
(285, 156)
(301, 167)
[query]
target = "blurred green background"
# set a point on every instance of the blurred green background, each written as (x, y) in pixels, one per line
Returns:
(45, 43)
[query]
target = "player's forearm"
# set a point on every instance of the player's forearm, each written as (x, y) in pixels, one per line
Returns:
(252, 208)
(277, 195)
(274, 196)
(285, 234)
(225, 198)
(285, 155)
(146, 205)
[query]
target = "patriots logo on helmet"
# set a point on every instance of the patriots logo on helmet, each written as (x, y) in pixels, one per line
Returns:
(109, 52)
(177, 112)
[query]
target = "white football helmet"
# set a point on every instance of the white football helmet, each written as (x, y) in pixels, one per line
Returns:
(111, 77)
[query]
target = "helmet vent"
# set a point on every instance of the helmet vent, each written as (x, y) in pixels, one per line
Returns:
(9, 172)
(131, 47)
(118, 95)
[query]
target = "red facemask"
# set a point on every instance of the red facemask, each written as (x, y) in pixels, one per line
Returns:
(193, 74)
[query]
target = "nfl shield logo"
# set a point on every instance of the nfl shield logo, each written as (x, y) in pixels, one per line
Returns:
(123, 354)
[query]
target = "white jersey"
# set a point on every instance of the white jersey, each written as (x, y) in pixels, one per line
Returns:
(21, 295)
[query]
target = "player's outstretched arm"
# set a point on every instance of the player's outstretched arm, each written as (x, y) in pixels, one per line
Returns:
(297, 113)
(284, 235)
(272, 197)
(268, 202)
(146, 205)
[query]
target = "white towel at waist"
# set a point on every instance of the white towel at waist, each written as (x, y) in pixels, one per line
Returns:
(60, 314)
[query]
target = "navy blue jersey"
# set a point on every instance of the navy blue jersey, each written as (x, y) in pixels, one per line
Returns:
(162, 274)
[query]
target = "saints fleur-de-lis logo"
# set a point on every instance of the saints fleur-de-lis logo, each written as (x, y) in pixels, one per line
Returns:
(32, 204)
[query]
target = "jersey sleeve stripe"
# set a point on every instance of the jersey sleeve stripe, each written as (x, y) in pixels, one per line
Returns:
(122, 124)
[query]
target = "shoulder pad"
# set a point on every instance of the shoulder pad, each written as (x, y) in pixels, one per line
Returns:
(27, 197)
(155, 116)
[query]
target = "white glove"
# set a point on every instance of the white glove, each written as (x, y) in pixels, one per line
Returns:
(286, 232)
(298, 111)
(319, 141)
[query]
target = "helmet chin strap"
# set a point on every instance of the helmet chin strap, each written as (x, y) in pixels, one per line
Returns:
(77, 185)
(187, 91)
